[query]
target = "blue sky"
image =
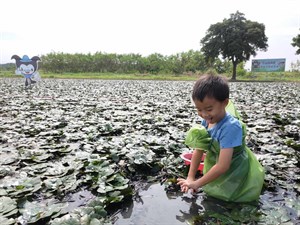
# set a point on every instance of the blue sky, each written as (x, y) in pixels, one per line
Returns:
(34, 27)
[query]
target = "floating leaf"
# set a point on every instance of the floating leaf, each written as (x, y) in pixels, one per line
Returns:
(35, 211)
(7, 205)
(6, 221)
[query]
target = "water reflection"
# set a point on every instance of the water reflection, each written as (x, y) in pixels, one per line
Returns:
(207, 209)
(154, 205)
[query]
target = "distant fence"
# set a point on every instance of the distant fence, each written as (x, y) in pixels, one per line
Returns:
(268, 65)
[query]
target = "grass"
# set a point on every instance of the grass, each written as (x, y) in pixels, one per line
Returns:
(117, 76)
(249, 77)
(272, 76)
(107, 76)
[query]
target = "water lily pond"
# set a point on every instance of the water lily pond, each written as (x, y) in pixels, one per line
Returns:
(107, 152)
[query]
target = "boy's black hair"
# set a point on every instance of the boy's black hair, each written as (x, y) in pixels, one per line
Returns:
(212, 86)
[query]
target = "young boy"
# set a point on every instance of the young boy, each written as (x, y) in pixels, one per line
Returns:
(231, 171)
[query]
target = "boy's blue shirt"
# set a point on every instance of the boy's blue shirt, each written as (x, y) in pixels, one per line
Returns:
(227, 132)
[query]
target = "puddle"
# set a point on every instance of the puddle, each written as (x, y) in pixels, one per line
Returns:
(155, 206)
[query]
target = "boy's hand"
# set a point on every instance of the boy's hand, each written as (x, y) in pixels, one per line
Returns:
(187, 184)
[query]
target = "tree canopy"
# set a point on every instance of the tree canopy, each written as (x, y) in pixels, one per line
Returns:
(185, 62)
(235, 39)
(296, 43)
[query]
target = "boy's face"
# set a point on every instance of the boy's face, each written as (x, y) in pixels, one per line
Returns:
(211, 109)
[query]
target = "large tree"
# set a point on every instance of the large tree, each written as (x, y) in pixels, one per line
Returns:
(296, 43)
(236, 39)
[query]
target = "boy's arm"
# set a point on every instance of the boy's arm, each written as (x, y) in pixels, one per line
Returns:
(195, 162)
(218, 169)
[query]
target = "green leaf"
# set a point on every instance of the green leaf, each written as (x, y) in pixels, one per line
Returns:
(7, 205)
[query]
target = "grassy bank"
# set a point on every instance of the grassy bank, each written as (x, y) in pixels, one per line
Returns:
(276, 77)
(116, 76)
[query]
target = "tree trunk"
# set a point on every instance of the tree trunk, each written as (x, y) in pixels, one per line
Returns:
(234, 70)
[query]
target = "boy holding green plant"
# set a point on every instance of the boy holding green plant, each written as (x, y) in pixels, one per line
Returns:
(231, 170)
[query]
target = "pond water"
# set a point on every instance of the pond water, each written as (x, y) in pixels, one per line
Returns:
(155, 205)
(69, 149)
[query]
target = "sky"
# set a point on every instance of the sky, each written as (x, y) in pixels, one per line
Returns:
(38, 27)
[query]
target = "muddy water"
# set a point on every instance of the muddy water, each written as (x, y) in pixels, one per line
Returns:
(156, 206)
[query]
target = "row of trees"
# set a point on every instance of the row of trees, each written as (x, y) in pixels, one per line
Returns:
(191, 61)
(235, 39)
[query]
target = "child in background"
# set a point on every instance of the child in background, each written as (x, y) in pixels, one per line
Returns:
(231, 170)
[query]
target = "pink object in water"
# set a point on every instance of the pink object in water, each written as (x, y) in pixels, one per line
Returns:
(187, 157)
